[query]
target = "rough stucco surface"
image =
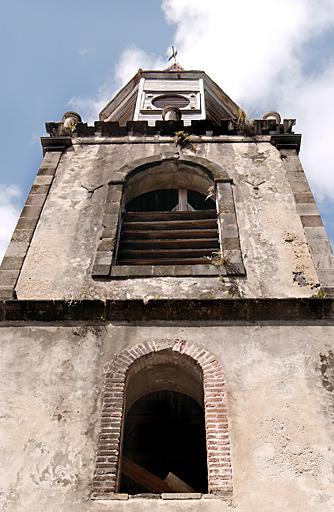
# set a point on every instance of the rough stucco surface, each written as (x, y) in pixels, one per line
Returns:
(60, 260)
(280, 385)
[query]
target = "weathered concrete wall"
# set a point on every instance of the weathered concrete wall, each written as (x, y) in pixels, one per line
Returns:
(280, 385)
(275, 251)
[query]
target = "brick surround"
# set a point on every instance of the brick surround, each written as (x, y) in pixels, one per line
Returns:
(107, 471)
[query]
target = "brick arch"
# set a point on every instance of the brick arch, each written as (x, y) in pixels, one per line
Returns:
(215, 171)
(215, 409)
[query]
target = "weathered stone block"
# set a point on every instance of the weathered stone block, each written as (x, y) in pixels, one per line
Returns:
(6, 293)
(31, 212)
(101, 270)
(181, 496)
(307, 209)
(106, 244)
(103, 258)
(43, 180)
(22, 235)
(227, 218)
(17, 249)
(229, 231)
(12, 263)
(112, 207)
(8, 277)
(24, 223)
(146, 496)
(39, 189)
(36, 199)
(110, 220)
(304, 197)
(311, 220)
(230, 243)
(316, 233)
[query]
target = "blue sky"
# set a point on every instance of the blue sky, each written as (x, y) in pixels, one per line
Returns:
(58, 56)
(52, 51)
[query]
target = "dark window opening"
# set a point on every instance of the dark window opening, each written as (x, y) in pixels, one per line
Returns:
(164, 445)
(174, 100)
(168, 227)
(164, 200)
(199, 202)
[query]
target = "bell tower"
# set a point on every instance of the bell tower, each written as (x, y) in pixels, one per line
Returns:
(167, 313)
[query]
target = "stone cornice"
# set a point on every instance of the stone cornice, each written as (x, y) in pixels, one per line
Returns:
(280, 135)
(307, 310)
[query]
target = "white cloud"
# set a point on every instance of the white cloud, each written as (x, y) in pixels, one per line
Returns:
(130, 61)
(9, 212)
(313, 104)
(256, 51)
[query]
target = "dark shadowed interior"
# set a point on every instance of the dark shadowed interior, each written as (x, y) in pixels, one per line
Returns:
(167, 199)
(165, 433)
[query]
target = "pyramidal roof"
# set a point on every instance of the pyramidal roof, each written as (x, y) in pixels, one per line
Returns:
(148, 92)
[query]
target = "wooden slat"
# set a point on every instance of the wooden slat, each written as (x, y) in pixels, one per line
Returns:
(189, 243)
(143, 477)
(191, 215)
(169, 234)
(172, 224)
(168, 238)
(164, 261)
(171, 253)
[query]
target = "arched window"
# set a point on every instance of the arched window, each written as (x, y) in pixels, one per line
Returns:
(164, 423)
(167, 217)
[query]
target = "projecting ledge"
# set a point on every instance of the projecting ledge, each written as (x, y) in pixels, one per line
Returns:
(236, 310)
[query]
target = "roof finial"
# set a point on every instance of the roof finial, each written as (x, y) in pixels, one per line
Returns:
(175, 66)
(174, 54)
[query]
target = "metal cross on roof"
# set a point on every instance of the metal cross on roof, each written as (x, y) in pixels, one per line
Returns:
(174, 54)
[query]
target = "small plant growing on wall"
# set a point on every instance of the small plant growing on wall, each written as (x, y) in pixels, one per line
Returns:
(321, 294)
(182, 139)
(221, 260)
(218, 259)
(243, 124)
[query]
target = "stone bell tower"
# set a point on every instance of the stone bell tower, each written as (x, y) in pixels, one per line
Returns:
(167, 313)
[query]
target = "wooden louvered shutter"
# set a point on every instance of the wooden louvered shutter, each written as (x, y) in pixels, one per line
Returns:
(168, 238)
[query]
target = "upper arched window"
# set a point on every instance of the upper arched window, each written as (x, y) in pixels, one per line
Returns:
(169, 217)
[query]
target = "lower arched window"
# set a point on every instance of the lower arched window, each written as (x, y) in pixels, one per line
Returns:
(163, 440)
(168, 227)
(164, 424)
